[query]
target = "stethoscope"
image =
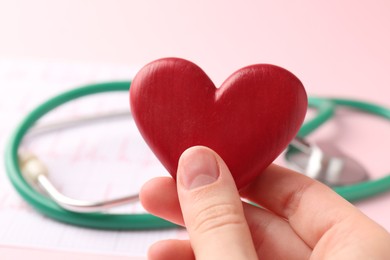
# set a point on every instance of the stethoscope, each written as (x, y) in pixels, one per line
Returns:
(30, 177)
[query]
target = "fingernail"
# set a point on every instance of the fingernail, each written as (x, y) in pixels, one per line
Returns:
(198, 168)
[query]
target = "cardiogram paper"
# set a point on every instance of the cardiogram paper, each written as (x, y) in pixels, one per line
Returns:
(95, 162)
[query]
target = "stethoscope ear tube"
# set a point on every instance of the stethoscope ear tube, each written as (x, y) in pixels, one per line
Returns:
(46, 205)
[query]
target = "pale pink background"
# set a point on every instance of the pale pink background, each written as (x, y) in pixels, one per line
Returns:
(337, 48)
(334, 47)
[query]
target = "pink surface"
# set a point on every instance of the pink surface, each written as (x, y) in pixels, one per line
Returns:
(334, 47)
(337, 48)
(11, 253)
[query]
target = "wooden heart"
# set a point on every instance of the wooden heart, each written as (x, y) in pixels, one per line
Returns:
(248, 121)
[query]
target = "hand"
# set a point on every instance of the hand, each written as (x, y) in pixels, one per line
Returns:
(300, 218)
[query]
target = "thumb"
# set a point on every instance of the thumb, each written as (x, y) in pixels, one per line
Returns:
(212, 208)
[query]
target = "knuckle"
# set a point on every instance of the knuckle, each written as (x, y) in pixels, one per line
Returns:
(292, 202)
(217, 216)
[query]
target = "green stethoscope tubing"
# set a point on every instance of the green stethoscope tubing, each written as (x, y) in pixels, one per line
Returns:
(325, 110)
(45, 204)
(365, 189)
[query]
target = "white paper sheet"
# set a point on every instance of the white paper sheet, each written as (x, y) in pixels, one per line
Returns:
(97, 161)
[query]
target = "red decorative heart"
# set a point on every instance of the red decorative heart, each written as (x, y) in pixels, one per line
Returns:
(248, 121)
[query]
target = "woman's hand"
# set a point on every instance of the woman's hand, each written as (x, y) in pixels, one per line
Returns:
(300, 218)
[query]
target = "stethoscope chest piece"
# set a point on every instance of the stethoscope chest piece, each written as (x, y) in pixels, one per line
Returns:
(324, 162)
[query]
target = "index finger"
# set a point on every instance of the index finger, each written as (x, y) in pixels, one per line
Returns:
(311, 207)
